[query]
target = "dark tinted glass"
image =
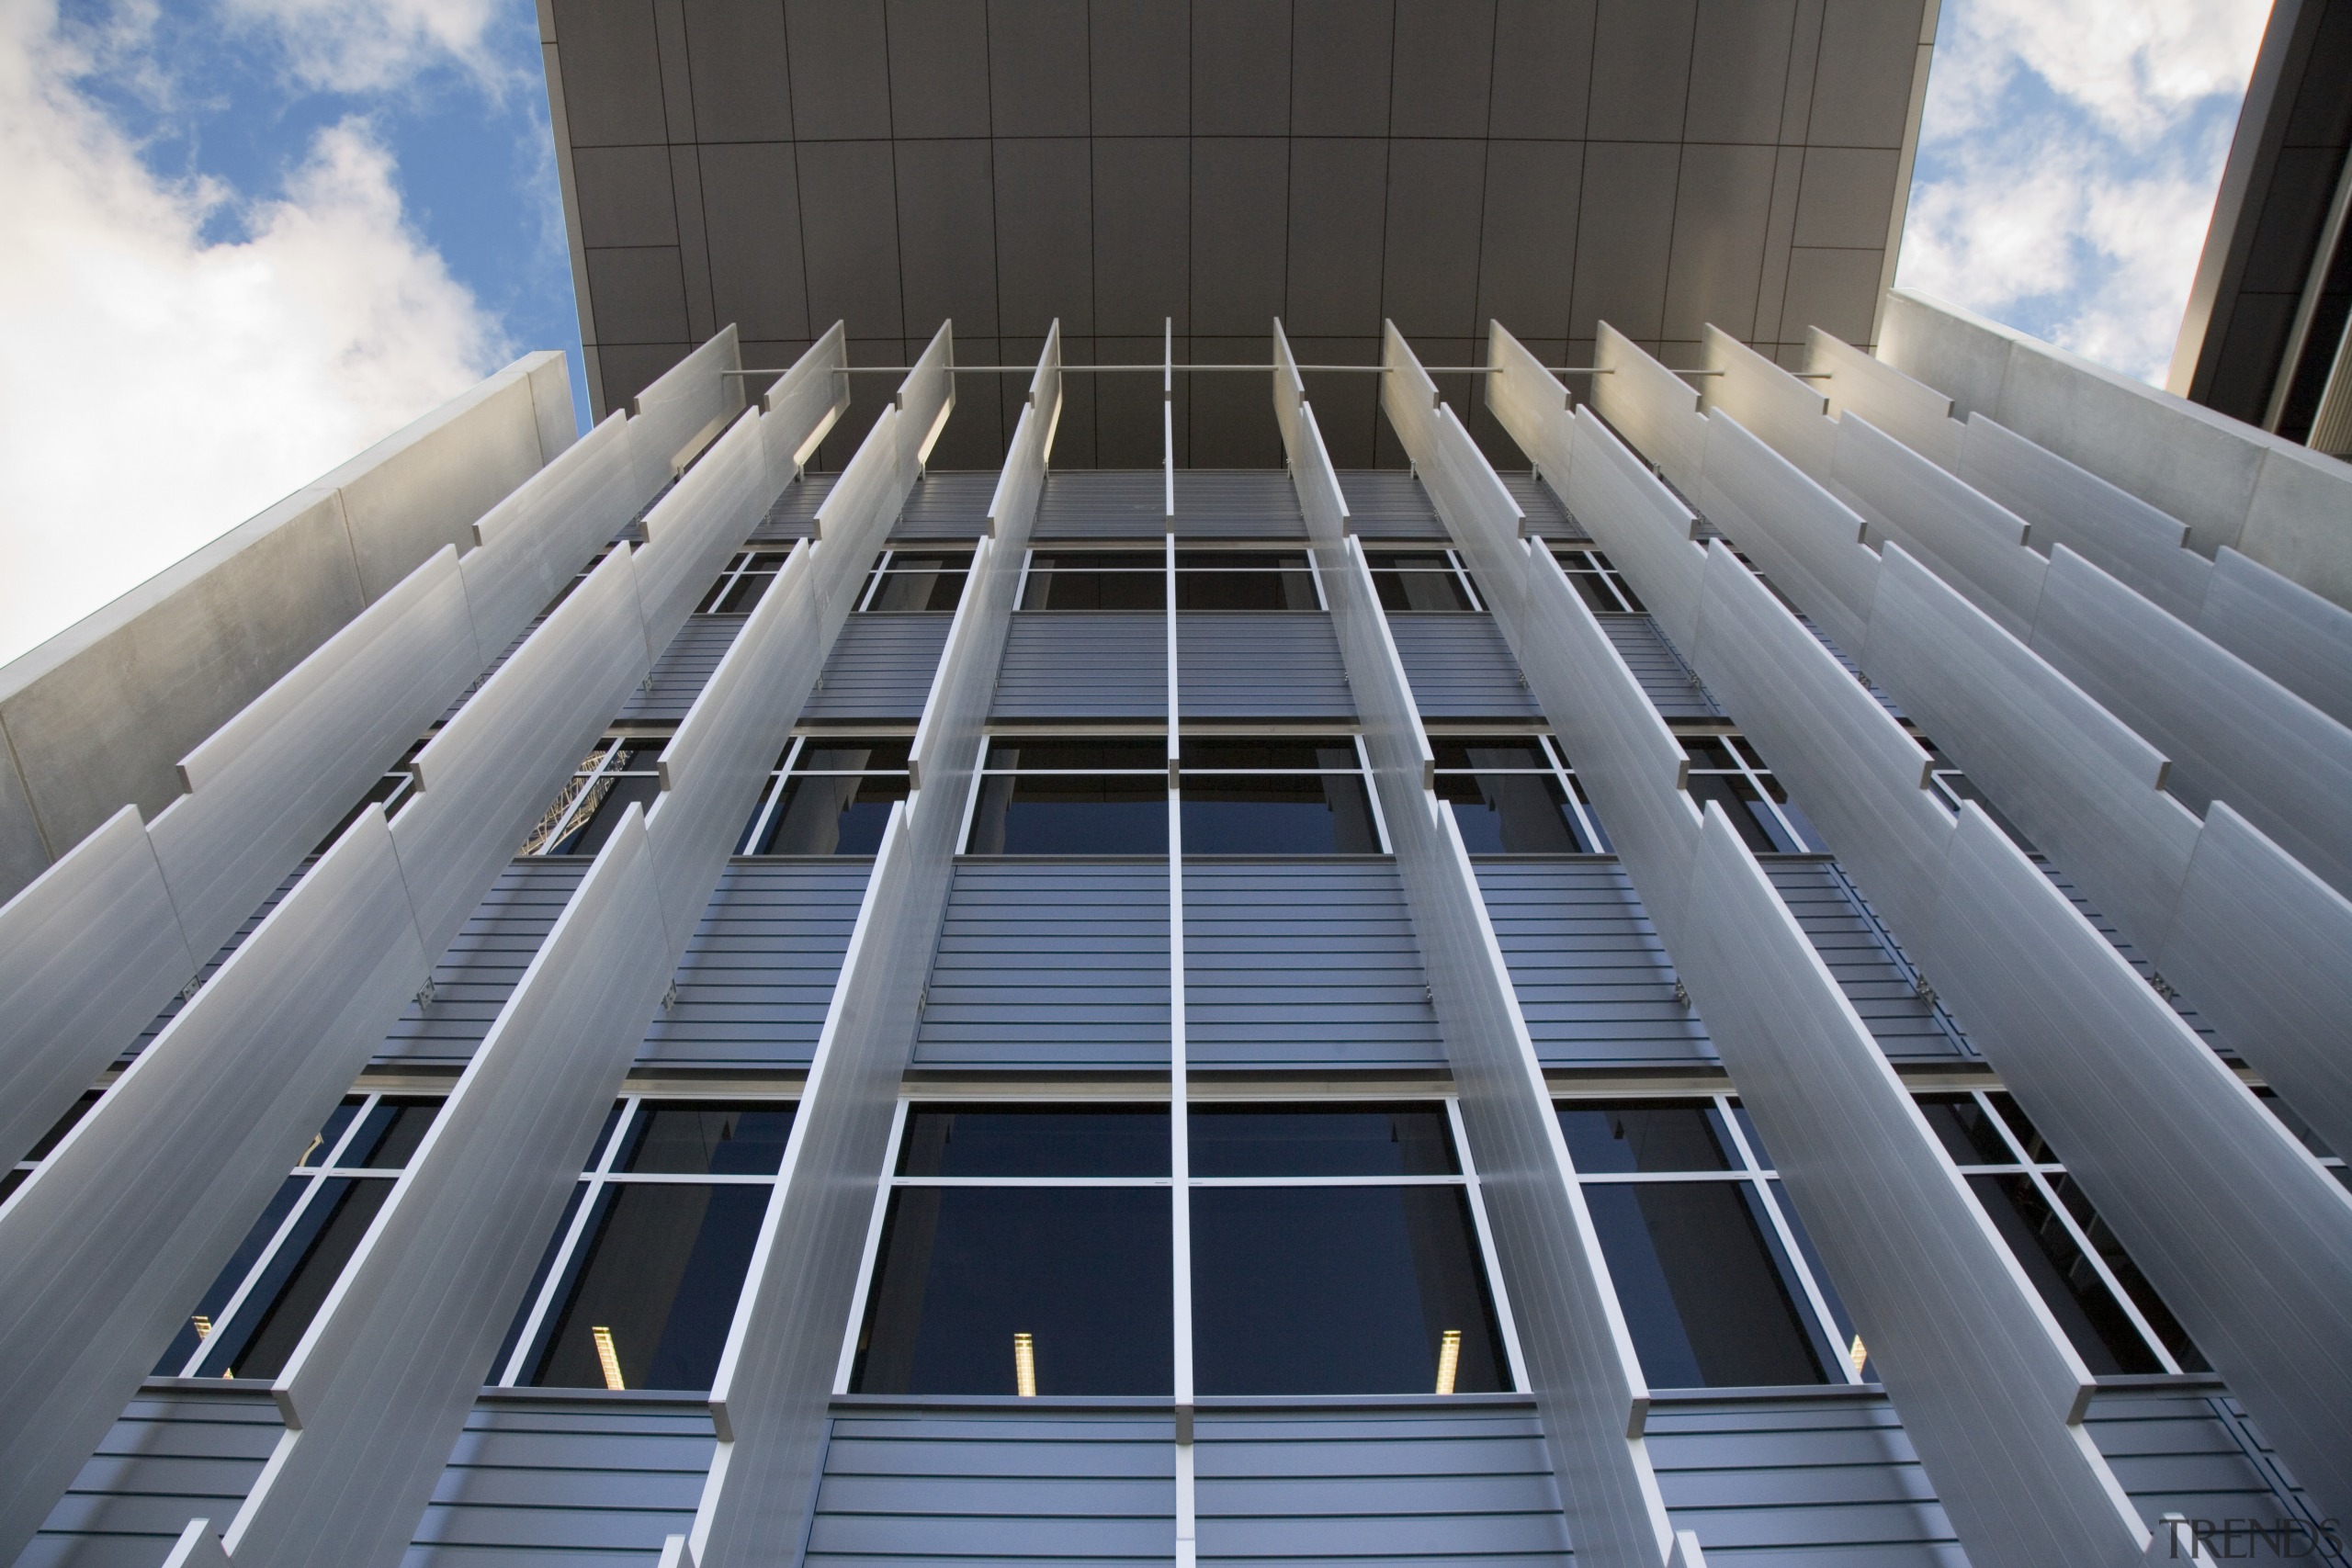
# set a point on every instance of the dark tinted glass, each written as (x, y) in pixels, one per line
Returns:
(1847, 1336)
(1611, 1135)
(539, 1276)
(921, 583)
(659, 1273)
(1755, 1139)
(741, 596)
(287, 1296)
(391, 790)
(708, 1139)
(1701, 1284)
(1515, 814)
(1320, 1140)
(2109, 1247)
(2076, 1297)
(1278, 814)
(1968, 1133)
(2271, 1102)
(1034, 1141)
(1241, 561)
(1417, 582)
(1248, 587)
(1084, 1271)
(831, 814)
(322, 1142)
(1338, 1290)
(1071, 814)
(1254, 752)
(233, 1274)
(390, 1134)
(64, 1124)
(853, 754)
(1749, 814)
(2037, 1147)
(1095, 582)
(1490, 751)
(609, 801)
(1078, 752)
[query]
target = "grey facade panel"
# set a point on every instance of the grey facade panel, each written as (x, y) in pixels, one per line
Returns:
(679, 675)
(1259, 664)
(946, 505)
(170, 1457)
(1051, 963)
(213, 965)
(880, 667)
(472, 980)
(1546, 518)
(1666, 679)
(917, 1486)
(1593, 979)
(504, 654)
(1429, 1487)
(1114, 504)
(1237, 504)
(530, 1478)
(793, 515)
(1303, 964)
(1386, 504)
(1828, 1479)
(1460, 666)
(1898, 1018)
(1063, 664)
(759, 968)
(2185, 1452)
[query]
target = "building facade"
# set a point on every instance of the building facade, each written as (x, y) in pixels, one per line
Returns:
(1738, 963)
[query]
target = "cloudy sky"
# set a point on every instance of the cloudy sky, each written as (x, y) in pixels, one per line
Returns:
(247, 238)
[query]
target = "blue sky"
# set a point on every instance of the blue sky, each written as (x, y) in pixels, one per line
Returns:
(249, 237)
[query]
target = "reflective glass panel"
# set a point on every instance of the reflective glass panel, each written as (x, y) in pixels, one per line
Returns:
(1320, 1140)
(2070, 1287)
(655, 1285)
(1278, 814)
(232, 1273)
(831, 814)
(920, 582)
(1969, 1135)
(389, 1133)
(1420, 582)
(1021, 1140)
(1244, 581)
(2109, 1247)
(1519, 814)
(296, 1280)
(1611, 1135)
(1071, 814)
(1100, 580)
(1339, 1290)
(708, 1139)
(1703, 1284)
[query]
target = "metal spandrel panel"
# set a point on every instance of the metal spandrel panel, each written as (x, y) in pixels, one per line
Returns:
(102, 1250)
(1078, 505)
(2074, 507)
(1050, 964)
(1914, 414)
(71, 1003)
(2285, 630)
(1848, 764)
(678, 676)
(1648, 533)
(1657, 409)
(1461, 667)
(880, 667)
(1084, 664)
(529, 1475)
(759, 968)
(1798, 535)
(165, 1457)
(1804, 1476)
(1985, 1381)
(2082, 787)
(1664, 679)
(1594, 982)
(1259, 664)
(1854, 949)
(2266, 948)
(2245, 1237)
(1386, 506)
(1783, 412)
(482, 965)
(1235, 504)
(945, 507)
(1973, 544)
(2188, 1453)
(2232, 732)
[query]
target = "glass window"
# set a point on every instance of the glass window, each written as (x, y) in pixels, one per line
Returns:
(13, 1178)
(259, 1306)
(1320, 1140)
(1071, 795)
(1514, 794)
(743, 583)
(1714, 1276)
(1726, 769)
(2286, 1117)
(638, 1286)
(1034, 1140)
(917, 579)
(1421, 580)
(1600, 585)
(830, 794)
(1255, 794)
(1245, 580)
(618, 772)
(1094, 580)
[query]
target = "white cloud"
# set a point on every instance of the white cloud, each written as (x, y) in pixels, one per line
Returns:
(372, 45)
(156, 388)
(2130, 65)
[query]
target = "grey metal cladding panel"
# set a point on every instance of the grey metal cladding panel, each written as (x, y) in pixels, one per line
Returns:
(880, 667)
(1800, 536)
(1420, 1487)
(171, 1008)
(1071, 664)
(1897, 1016)
(2230, 730)
(679, 675)
(1065, 1488)
(2177, 1453)
(1818, 1480)
(1237, 504)
(1973, 544)
(759, 968)
(944, 505)
(1460, 666)
(793, 513)
(166, 1459)
(508, 652)
(1594, 982)
(1546, 518)
(2285, 630)
(1388, 504)
(472, 980)
(1261, 664)
(1051, 963)
(531, 1478)
(1666, 680)
(1104, 505)
(1303, 964)
(2073, 506)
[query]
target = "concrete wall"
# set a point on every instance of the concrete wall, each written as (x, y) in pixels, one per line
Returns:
(100, 714)
(2280, 503)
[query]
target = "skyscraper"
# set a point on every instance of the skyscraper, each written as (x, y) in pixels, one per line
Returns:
(1724, 943)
